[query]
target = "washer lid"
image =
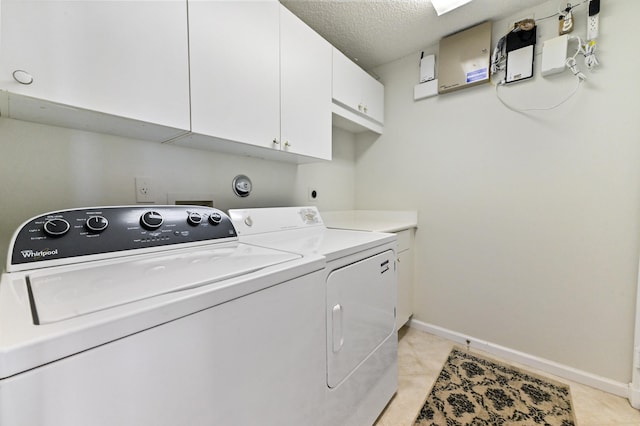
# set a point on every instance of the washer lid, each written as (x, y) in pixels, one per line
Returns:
(59, 295)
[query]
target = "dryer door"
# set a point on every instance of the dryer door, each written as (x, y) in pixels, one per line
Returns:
(361, 301)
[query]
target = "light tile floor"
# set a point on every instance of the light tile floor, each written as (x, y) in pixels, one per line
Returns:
(420, 359)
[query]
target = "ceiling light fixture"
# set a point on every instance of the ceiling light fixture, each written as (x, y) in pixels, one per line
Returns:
(444, 6)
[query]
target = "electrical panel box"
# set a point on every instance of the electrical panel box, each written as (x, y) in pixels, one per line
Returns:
(464, 58)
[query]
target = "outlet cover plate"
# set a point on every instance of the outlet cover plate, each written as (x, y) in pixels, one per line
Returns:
(144, 190)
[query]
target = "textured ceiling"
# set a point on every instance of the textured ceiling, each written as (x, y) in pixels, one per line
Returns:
(375, 32)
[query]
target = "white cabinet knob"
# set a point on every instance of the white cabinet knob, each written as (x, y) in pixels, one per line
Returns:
(275, 141)
(22, 77)
(287, 144)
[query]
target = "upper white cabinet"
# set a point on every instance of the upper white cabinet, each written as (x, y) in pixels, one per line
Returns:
(246, 77)
(357, 96)
(235, 70)
(115, 67)
(305, 84)
(260, 78)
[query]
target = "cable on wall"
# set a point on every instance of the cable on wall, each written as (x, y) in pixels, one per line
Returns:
(547, 108)
(587, 50)
(590, 59)
(562, 11)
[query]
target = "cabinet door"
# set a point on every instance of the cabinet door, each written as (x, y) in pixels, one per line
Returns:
(405, 276)
(355, 89)
(346, 77)
(405, 287)
(125, 58)
(373, 98)
(235, 70)
(305, 78)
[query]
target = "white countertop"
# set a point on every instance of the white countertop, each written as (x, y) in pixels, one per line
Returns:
(371, 220)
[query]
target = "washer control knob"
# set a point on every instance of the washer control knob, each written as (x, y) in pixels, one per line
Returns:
(215, 218)
(56, 227)
(151, 220)
(96, 223)
(194, 218)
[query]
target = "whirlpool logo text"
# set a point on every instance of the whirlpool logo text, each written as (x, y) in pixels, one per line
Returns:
(32, 254)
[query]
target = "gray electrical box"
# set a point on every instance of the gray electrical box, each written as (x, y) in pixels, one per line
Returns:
(464, 58)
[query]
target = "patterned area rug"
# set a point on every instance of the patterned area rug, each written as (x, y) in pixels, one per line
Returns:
(476, 391)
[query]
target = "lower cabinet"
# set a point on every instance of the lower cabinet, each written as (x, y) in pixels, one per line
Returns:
(404, 308)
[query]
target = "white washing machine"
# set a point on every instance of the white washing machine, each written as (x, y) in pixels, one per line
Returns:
(157, 316)
(361, 279)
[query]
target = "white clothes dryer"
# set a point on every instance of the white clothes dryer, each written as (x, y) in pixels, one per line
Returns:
(157, 315)
(360, 281)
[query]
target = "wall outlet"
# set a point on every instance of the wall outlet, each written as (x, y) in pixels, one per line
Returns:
(312, 194)
(144, 190)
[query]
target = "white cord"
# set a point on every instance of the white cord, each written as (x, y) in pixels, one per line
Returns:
(588, 51)
(590, 59)
(519, 110)
(571, 61)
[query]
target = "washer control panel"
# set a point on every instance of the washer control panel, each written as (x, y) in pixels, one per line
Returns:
(73, 233)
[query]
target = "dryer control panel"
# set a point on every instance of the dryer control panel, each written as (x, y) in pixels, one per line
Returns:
(100, 231)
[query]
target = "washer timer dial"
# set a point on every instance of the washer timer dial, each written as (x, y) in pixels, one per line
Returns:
(56, 227)
(151, 220)
(96, 223)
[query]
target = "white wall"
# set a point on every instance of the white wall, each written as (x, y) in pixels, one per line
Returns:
(334, 181)
(528, 223)
(45, 168)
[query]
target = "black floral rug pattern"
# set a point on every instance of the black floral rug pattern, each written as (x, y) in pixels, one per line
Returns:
(475, 391)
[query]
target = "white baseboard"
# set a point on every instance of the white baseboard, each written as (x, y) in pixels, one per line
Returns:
(570, 373)
(634, 397)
